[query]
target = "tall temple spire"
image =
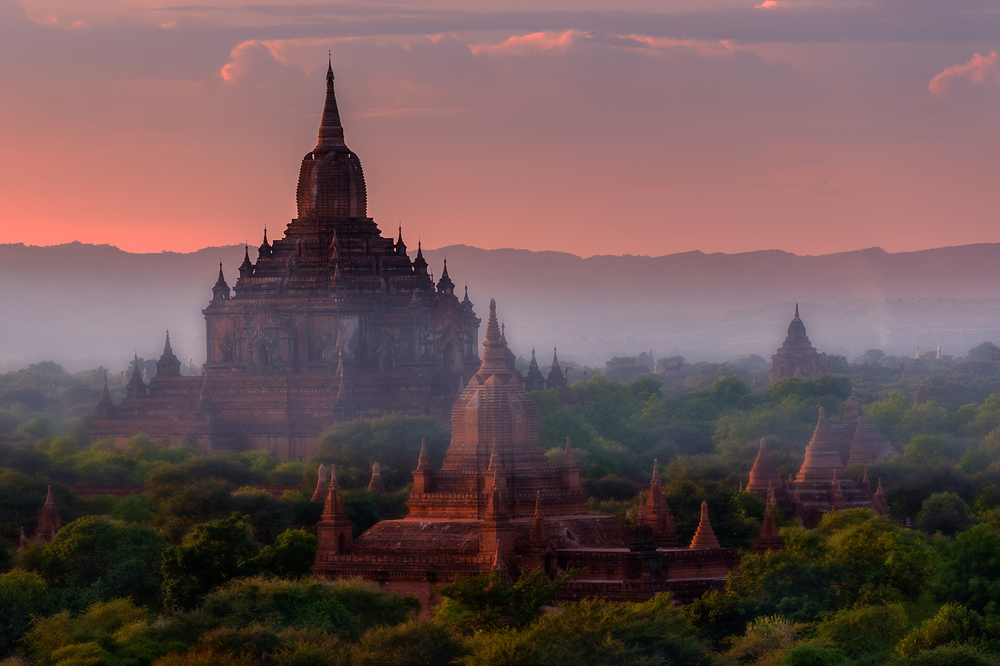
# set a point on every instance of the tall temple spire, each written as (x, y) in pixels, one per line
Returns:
(423, 460)
(105, 406)
(135, 388)
(331, 132)
(494, 357)
(861, 450)
(704, 536)
(377, 484)
(764, 472)
(568, 460)
(322, 487)
(822, 458)
(445, 285)
(221, 290)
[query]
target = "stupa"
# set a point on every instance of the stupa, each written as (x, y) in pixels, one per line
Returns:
(496, 504)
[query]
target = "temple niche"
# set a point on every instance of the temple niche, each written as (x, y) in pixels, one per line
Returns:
(496, 504)
(797, 357)
(332, 321)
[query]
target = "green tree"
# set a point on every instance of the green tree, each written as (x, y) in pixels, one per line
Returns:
(946, 513)
(21, 596)
(970, 571)
(211, 554)
(291, 555)
(592, 633)
(392, 441)
(98, 559)
(415, 643)
(113, 632)
(485, 602)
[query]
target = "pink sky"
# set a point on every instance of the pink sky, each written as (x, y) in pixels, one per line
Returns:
(591, 127)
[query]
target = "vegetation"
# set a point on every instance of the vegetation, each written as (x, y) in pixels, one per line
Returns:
(206, 567)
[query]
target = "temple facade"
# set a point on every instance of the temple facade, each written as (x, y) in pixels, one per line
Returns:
(332, 321)
(797, 357)
(822, 483)
(496, 504)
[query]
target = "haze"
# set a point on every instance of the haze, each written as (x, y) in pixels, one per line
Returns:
(586, 127)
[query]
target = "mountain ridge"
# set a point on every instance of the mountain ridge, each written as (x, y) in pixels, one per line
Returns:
(86, 305)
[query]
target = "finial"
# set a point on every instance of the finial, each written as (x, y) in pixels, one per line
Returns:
(796, 310)
(333, 474)
(48, 496)
(322, 474)
(568, 455)
(423, 460)
(656, 469)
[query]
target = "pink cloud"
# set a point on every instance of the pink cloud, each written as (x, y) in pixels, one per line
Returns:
(979, 69)
(767, 4)
(532, 43)
(253, 57)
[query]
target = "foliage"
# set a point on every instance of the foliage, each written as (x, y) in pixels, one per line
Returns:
(98, 559)
(414, 643)
(115, 632)
(210, 555)
(946, 513)
(486, 602)
(344, 608)
(591, 633)
(392, 441)
(291, 555)
(21, 595)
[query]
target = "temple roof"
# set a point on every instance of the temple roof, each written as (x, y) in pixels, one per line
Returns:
(494, 412)
(822, 459)
(796, 329)
(764, 473)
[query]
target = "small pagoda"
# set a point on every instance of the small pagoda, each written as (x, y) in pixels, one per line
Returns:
(822, 483)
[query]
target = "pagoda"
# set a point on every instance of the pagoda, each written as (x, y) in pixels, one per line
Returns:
(497, 505)
(821, 485)
(797, 357)
(332, 321)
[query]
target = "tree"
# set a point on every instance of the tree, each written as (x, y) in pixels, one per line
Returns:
(211, 554)
(291, 555)
(592, 633)
(21, 596)
(392, 441)
(98, 559)
(946, 513)
(485, 602)
(970, 571)
(415, 643)
(112, 632)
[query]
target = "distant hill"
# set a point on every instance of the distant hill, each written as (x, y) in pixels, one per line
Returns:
(88, 305)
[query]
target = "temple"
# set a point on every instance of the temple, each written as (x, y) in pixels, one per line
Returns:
(822, 483)
(49, 522)
(496, 504)
(332, 321)
(797, 357)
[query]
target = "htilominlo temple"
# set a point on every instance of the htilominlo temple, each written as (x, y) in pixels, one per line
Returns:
(334, 321)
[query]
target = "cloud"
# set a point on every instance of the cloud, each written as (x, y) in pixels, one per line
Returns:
(532, 43)
(767, 4)
(979, 69)
(257, 60)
